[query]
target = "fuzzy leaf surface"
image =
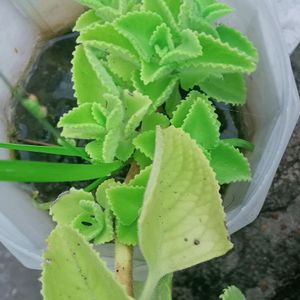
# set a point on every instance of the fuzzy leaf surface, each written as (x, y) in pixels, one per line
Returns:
(73, 270)
(182, 219)
(229, 89)
(232, 293)
(229, 164)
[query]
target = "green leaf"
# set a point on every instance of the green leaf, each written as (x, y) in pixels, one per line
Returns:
(237, 40)
(84, 75)
(101, 195)
(111, 144)
(32, 171)
(183, 108)
(138, 28)
(145, 142)
(55, 150)
(158, 91)
(136, 106)
(173, 101)
(121, 67)
(189, 48)
(201, 25)
(182, 219)
(101, 72)
(151, 71)
(142, 178)
(202, 123)
(215, 11)
(162, 9)
(78, 115)
(87, 225)
(107, 234)
(87, 19)
(67, 206)
(127, 234)
(125, 149)
(73, 270)
(83, 131)
(106, 37)
(142, 160)
(232, 293)
(126, 202)
(229, 164)
(95, 150)
(162, 40)
(155, 119)
(231, 88)
(239, 143)
(220, 58)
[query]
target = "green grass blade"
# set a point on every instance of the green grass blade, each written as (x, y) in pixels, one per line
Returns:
(29, 171)
(55, 150)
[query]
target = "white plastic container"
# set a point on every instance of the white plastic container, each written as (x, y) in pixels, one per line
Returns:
(273, 108)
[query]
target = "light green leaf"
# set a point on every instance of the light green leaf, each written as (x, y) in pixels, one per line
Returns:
(202, 123)
(67, 206)
(229, 164)
(142, 160)
(73, 270)
(232, 293)
(125, 149)
(121, 67)
(101, 195)
(106, 37)
(95, 150)
(237, 40)
(201, 25)
(84, 75)
(126, 202)
(107, 234)
(239, 143)
(110, 144)
(99, 113)
(127, 234)
(87, 225)
(83, 131)
(231, 88)
(101, 72)
(87, 19)
(142, 178)
(155, 119)
(138, 28)
(182, 219)
(162, 40)
(215, 11)
(145, 142)
(151, 71)
(78, 115)
(158, 91)
(220, 58)
(183, 108)
(161, 8)
(173, 101)
(189, 48)
(136, 106)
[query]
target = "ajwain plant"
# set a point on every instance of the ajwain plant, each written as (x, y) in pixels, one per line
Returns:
(145, 74)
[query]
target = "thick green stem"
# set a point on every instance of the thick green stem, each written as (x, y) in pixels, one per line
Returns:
(124, 253)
